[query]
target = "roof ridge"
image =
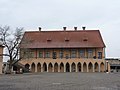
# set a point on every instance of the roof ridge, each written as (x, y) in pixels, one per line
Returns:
(62, 31)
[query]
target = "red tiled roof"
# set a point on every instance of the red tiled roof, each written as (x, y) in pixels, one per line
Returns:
(62, 39)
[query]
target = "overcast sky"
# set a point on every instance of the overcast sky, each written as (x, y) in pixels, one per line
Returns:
(54, 14)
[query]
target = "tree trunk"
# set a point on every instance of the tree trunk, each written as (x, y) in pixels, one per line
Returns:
(10, 65)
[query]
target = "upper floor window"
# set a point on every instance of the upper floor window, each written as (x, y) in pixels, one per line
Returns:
(73, 54)
(99, 55)
(54, 55)
(90, 53)
(32, 54)
(40, 54)
(82, 53)
(47, 54)
(28, 54)
(61, 54)
(67, 56)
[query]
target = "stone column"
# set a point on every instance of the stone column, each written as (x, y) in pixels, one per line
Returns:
(53, 68)
(0, 67)
(76, 68)
(64, 68)
(41, 68)
(35, 68)
(58, 68)
(93, 68)
(81, 67)
(99, 67)
(87, 68)
(70, 69)
(47, 67)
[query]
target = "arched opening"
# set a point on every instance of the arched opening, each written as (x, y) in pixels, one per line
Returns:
(61, 67)
(33, 67)
(38, 67)
(102, 67)
(79, 67)
(44, 67)
(15, 68)
(73, 67)
(90, 67)
(84, 67)
(96, 67)
(50, 67)
(55, 67)
(67, 67)
(27, 66)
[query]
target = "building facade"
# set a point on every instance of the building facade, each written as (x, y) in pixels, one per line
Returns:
(63, 51)
(114, 64)
(1, 58)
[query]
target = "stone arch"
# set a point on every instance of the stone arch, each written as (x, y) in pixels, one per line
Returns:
(27, 66)
(79, 67)
(67, 67)
(15, 68)
(33, 67)
(38, 67)
(61, 67)
(84, 67)
(44, 67)
(90, 67)
(102, 67)
(96, 67)
(73, 67)
(56, 67)
(50, 67)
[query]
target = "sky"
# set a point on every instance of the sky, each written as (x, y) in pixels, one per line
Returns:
(103, 15)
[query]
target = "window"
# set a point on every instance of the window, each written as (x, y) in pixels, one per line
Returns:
(82, 53)
(47, 54)
(61, 54)
(54, 55)
(66, 39)
(90, 53)
(28, 54)
(49, 40)
(40, 54)
(99, 55)
(73, 54)
(25, 54)
(67, 56)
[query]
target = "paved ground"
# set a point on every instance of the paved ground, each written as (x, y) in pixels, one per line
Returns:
(61, 81)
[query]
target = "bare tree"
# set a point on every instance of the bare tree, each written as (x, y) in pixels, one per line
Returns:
(11, 40)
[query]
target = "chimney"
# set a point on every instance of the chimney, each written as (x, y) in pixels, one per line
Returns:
(75, 28)
(83, 28)
(64, 28)
(39, 28)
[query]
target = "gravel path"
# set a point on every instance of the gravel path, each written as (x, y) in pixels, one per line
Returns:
(61, 81)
